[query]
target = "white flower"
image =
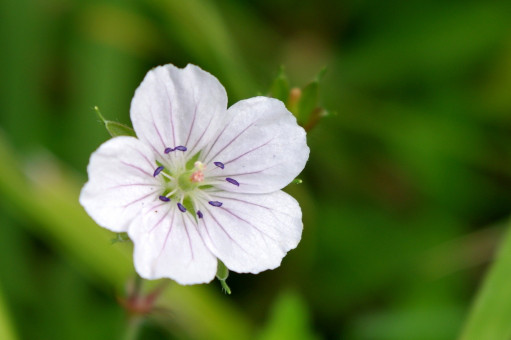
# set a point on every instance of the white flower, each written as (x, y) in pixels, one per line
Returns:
(201, 182)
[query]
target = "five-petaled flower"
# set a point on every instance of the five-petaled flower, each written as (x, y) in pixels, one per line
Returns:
(201, 182)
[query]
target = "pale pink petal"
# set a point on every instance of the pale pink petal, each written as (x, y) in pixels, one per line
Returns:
(167, 245)
(178, 107)
(250, 232)
(261, 146)
(120, 182)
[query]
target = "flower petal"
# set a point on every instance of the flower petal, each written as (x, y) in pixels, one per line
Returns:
(261, 147)
(120, 183)
(167, 244)
(178, 107)
(251, 233)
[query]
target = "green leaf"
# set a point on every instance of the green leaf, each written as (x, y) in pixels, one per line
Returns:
(490, 315)
(114, 128)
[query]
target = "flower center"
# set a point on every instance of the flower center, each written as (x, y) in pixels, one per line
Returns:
(187, 182)
(183, 179)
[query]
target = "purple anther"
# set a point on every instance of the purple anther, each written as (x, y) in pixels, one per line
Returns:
(181, 207)
(232, 181)
(158, 170)
(168, 150)
(215, 203)
(180, 148)
(219, 164)
(164, 198)
(199, 213)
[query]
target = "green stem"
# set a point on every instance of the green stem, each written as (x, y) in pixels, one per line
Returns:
(133, 327)
(6, 328)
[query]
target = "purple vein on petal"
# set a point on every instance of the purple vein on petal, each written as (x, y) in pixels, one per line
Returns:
(193, 123)
(159, 134)
(202, 135)
(161, 219)
(154, 149)
(157, 131)
(170, 111)
(249, 151)
(132, 185)
(188, 235)
(206, 229)
(223, 198)
(198, 232)
(223, 229)
(168, 232)
(244, 173)
(143, 156)
(232, 140)
(137, 200)
(137, 168)
(247, 222)
(216, 140)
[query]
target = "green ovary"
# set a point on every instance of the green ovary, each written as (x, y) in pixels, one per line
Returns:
(185, 183)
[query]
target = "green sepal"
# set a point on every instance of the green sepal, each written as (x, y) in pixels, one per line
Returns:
(280, 87)
(309, 100)
(297, 181)
(222, 273)
(188, 204)
(120, 237)
(114, 128)
(191, 162)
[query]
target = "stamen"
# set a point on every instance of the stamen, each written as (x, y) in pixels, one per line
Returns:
(219, 164)
(215, 203)
(164, 198)
(180, 148)
(232, 181)
(168, 150)
(198, 165)
(158, 170)
(181, 207)
(199, 213)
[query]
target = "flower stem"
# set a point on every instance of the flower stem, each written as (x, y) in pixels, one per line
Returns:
(133, 327)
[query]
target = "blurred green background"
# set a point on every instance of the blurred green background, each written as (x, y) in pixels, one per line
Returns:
(406, 194)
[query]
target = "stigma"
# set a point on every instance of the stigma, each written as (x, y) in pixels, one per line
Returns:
(198, 175)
